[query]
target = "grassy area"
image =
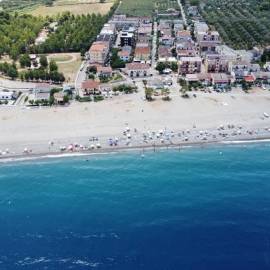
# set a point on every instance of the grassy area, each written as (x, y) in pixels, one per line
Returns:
(17, 5)
(145, 7)
(68, 64)
(61, 57)
(76, 7)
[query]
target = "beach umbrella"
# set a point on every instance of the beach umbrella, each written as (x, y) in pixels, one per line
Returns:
(98, 145)
(92, 146)
(70, 147)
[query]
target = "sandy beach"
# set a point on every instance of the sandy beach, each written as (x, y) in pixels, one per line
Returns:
(193, 120)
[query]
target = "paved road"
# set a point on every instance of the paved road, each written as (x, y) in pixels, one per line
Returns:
(81, 75)
(154, 46)
(16, 85)
(182, 12)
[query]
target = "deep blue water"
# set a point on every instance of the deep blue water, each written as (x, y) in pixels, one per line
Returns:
(195, 209)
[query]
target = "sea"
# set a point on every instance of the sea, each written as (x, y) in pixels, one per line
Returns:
(190, 209)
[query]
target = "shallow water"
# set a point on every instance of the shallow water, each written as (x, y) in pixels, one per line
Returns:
(195, 209)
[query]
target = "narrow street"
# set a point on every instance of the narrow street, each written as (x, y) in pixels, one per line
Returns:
(154, 46)
(182, 12)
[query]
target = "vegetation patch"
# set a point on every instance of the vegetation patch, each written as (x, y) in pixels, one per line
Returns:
(242, 24)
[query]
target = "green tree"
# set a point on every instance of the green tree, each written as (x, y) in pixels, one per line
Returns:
(53, 66)
(25, 60)
(43, 61)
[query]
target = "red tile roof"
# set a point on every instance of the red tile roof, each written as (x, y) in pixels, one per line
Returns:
(90, 84)
(137, 66)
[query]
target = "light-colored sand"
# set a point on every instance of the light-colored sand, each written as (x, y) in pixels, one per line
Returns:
(20, 127)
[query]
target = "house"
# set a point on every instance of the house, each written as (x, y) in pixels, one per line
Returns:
(104, 71)
(142, 53)
(164, 52)
(200, 28)
(125, 53)
(190, 65)
(89, 87)
(99, 52)
(183, 36)
(166, 40)
(221, 80)
(216, 63)
(185, 48)
(137, 70)
(145, 31)
(42, 92)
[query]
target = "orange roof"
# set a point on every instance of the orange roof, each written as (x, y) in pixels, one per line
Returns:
(103, 69)
(249, 78)
(142, 50)
(98, 46)
(90, 84)
(124, 53)
(183, 33)
(137, 66)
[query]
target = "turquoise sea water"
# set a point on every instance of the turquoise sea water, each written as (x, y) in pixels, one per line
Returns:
(195, 209)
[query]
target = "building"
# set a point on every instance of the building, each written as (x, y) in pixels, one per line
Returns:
(121, 21)
(190, 65)
(89, 87)
(183, 36)
(185, 48)
(125, 53)
(142, 53)
(98, 52)
(166, 40)
(164, 52)
(220, 80)
(137, 70)
(216, 63)
(108, 29)
(127, 39)
(200, 27)
(239, 69)
(42, 92)
(106, 38)
(208, 41)
(104, 71)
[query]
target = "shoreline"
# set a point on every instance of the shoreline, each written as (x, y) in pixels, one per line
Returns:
(127, 149)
